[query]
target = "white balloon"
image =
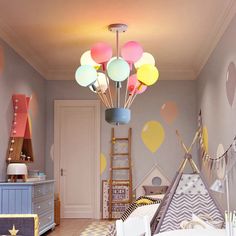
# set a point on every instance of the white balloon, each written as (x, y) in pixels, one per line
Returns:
(146, 58)
(86, 59)
(101, 83)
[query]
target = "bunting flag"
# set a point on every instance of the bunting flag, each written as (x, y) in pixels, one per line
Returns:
(223, 163)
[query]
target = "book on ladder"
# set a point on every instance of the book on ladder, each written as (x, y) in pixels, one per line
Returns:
(120, 165)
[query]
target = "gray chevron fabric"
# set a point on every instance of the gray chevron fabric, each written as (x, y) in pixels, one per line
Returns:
(190, 197)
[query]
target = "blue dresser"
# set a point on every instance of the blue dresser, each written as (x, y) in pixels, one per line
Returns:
(29, 198)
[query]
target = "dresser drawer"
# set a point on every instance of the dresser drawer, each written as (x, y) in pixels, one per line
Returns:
(45, 220)
(45, 204)
(42, 189)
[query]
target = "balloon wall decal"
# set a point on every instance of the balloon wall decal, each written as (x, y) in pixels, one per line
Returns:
(169, 112)
(205, 138)
(1, 61)
(103, 163)
(153, 135)
(220, 150)
(231, 83)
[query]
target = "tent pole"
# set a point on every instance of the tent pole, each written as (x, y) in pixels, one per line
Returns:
(183, 164)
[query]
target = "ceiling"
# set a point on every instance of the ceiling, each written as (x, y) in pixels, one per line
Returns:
(51, 35)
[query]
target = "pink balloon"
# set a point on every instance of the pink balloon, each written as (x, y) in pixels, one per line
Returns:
(131, 51)
(133, 83)
(101, 52)
(231, 83)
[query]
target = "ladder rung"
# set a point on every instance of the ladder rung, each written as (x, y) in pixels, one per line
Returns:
(120, 168)
(120, 154)
(121, 202)
(120, 139)
(120, 184)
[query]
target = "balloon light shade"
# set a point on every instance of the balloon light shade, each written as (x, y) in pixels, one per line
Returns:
(107, 74)
(86, 59)
(100, 84)
(85, 75)
(132, 51)
(146, 58)
(134, 84)
(147, 74)
(118, 70)
(101, 52)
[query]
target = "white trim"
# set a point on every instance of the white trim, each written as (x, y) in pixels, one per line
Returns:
(96, 105)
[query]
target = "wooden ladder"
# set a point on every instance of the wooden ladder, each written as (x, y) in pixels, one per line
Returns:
(121, 182)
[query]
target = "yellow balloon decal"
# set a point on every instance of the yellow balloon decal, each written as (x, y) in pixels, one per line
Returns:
(103, 163)
(205, 138)
(153, 135)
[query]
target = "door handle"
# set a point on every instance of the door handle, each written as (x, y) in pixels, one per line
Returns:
(62, 172)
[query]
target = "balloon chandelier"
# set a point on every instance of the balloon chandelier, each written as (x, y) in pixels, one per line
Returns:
(102, 73)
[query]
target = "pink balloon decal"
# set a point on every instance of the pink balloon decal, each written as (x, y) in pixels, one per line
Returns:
(231, 83)
(169, 112)
(133, 83)
(101, 52)
(131, 51)
(1, 61)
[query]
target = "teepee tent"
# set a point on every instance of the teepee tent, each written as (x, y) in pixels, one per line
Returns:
(187, 195)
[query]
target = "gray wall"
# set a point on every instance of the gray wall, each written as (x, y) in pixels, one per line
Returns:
(218, 116)
(145, 108)
(19, 77)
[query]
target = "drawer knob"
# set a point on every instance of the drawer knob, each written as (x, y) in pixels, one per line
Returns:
(39, 207)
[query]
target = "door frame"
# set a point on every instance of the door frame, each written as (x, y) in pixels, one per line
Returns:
(97, 183)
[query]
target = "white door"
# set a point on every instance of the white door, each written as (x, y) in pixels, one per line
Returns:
(77, 133)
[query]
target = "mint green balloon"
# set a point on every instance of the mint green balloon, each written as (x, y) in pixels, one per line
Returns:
(85, 75)
(118, 70)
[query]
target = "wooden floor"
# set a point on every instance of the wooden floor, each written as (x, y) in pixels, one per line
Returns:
(69, 227)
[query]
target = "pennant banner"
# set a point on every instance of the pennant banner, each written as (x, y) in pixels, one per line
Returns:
(222, 163)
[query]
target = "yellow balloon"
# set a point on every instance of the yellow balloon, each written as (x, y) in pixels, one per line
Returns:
(103, 163)
(153, 135)
(205, 138)
(147, 74)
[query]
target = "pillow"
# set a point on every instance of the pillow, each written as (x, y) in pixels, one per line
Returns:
(150, 189)
(141, 202)
(144, 201)
(202, 222)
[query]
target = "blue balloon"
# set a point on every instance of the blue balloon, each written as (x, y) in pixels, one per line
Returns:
(118, 70)
(85, 75)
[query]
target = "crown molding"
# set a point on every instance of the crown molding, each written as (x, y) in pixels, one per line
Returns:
(59, 73)
(12, 39)
(214, 37)
(173, 73)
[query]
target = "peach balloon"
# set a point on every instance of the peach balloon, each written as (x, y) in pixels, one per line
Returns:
(169, 112)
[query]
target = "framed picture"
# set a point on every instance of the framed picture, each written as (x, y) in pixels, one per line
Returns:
(120, 192)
